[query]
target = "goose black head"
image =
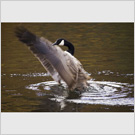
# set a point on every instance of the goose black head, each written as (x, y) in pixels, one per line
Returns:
(63, 42)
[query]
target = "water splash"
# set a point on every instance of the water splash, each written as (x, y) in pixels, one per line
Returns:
(99, 92)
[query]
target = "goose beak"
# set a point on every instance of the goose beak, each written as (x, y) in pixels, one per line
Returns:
(54, 44)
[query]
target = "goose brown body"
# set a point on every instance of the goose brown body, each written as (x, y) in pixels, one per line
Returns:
(60, 64)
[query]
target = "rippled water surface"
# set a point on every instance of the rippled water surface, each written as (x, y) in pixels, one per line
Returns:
(106, 51)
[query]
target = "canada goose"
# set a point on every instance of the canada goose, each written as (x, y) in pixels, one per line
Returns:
(61, 65)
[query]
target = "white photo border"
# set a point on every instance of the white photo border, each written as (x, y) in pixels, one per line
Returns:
(58, 123)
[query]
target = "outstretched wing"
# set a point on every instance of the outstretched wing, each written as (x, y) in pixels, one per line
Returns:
(30, 39)
(51, 57)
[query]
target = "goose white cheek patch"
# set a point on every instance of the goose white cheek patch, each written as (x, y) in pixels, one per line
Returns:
(61, 43)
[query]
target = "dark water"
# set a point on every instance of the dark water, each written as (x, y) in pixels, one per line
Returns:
(106, 51)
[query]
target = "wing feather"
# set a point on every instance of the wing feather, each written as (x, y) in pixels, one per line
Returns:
(51, 57)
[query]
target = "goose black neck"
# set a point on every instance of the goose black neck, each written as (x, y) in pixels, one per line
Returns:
(71, 48)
